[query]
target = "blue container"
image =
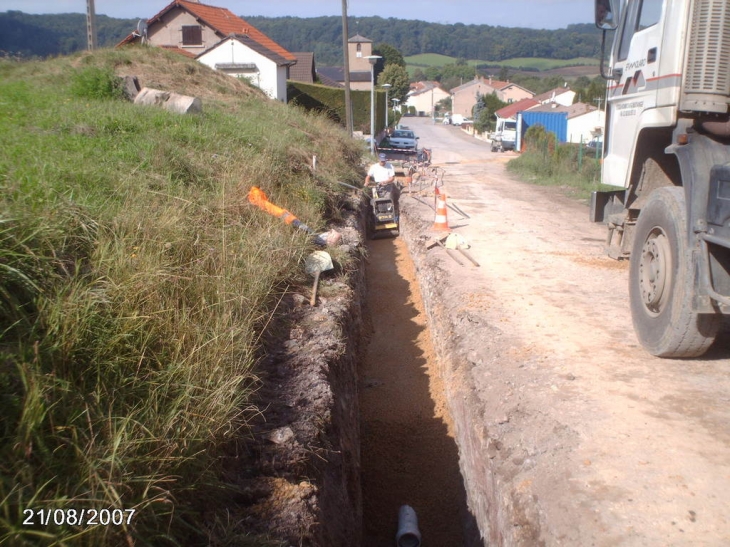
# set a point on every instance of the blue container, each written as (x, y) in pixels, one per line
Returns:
(555, 122)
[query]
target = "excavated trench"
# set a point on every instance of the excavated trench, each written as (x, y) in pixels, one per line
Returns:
(356, 422)
(408, 451)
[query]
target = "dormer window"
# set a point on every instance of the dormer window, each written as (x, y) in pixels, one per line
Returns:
(192, 35)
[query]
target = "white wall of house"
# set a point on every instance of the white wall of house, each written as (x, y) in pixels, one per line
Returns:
(267, 76)
(425, 101)
(566, 98)
(585, 125)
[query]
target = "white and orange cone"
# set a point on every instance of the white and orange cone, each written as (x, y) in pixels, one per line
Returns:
(440, 222)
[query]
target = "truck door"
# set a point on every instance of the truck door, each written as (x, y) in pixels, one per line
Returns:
(633, 95)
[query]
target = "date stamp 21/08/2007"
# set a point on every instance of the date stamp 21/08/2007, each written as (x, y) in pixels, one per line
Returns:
(77, 517)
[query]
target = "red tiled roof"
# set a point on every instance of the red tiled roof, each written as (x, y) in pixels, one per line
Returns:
(223, 21)
(494, 84)
(511, 109)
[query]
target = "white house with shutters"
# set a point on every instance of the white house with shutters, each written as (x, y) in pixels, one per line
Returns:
(218, 38)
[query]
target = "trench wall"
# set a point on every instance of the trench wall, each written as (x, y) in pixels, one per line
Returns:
(503, 515)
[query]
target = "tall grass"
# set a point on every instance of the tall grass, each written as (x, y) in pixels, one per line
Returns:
(544, 161)
(135, 283)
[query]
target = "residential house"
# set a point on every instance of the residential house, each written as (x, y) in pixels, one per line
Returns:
(359, 49)
(424, 96)
(199, 31)
(560, 95)
(465, 96)
(242, 56)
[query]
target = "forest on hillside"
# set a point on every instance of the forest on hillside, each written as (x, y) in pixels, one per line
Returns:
(323, 35)
(29, 35)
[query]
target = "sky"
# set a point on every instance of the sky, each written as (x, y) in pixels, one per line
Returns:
(547, 14)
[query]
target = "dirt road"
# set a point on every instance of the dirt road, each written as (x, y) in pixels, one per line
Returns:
(568, 432)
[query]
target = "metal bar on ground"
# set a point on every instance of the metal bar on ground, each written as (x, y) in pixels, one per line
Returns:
(467, 255)
(448, 252)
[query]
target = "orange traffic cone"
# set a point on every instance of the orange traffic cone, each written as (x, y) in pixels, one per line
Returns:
(440, 223)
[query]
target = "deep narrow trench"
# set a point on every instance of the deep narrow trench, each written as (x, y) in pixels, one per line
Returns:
(408, 454)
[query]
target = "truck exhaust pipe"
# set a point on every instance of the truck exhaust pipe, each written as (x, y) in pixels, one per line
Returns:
(408, 534)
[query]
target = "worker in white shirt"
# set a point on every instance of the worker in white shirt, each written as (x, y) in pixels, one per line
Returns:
(381, 172)
(383, 175)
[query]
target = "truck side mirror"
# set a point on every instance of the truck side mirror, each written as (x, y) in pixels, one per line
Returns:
(606, 15)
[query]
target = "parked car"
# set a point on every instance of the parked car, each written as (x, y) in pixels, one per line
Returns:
(401, 138)
(595, 143)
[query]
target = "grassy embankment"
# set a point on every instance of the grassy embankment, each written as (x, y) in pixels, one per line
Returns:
(575, 171)
(135, 283)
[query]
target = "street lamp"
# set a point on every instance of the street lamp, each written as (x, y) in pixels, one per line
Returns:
(372, 59)
(386, 87)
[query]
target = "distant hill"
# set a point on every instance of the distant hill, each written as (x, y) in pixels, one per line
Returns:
(424, 60)
(47, 35)
(323, 36)
(32, 35)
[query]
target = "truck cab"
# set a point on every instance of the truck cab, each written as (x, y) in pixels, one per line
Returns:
(505, 135)
(667, 150)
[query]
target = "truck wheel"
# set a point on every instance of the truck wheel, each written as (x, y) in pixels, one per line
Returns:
(661, 281)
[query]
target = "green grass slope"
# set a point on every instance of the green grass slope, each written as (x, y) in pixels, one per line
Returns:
(135, 283)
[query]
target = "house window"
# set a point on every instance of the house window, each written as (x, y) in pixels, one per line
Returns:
(359, 50)
(192, 35)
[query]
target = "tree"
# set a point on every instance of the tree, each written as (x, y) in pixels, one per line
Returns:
(390, 55)
(418, 75)
(484, 111)
(592, 93)
(397, 76)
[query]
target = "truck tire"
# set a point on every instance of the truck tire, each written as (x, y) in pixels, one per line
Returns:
(661, 283)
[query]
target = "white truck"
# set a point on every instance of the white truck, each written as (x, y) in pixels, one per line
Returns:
(505, 135)
(667, 146)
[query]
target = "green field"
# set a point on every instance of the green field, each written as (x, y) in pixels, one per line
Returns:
(425, 60)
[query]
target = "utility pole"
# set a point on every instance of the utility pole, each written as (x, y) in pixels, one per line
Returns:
(346, 52)
(90, 25)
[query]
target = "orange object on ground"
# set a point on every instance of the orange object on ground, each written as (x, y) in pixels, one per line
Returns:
(257, 197)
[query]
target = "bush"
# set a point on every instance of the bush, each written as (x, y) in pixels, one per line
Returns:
(545, 161)
(96, 83)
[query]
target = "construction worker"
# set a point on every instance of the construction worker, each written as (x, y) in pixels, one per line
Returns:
(383, 175)
(381, 172)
